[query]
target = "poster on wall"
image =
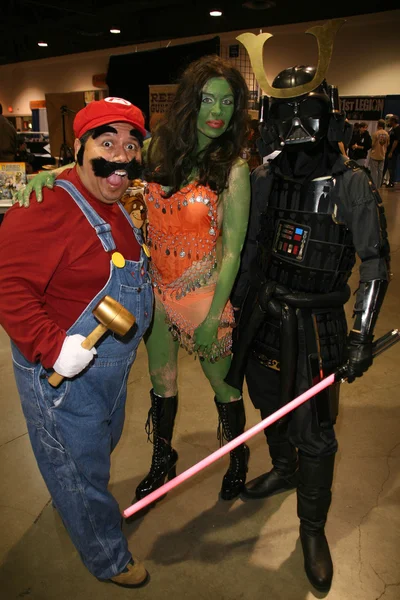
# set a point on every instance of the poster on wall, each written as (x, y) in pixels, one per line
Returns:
(363, 108)
(160, 99)
(12, 179)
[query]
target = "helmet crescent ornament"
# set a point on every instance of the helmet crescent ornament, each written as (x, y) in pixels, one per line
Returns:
(325, 35)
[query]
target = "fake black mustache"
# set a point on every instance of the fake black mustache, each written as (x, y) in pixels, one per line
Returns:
(104, 168)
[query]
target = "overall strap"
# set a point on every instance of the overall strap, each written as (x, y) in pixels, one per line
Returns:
(137, 232)
(103, 229)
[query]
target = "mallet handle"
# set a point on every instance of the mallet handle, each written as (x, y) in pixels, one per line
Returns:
(94, 337)
(55, 378)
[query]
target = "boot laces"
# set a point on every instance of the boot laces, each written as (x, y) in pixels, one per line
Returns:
(149, 427)
(221, 433)
(234, 455)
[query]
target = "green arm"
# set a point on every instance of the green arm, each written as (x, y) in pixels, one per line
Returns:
(41, 180)
(236, 204)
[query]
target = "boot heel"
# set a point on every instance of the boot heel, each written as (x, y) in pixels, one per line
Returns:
(171, 473)
(166, 471)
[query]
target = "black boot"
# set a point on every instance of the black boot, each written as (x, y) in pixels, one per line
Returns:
(163, 465)
(232, 420)
(283, 476)
(313, 501)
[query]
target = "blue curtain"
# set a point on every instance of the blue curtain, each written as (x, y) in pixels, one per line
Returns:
(35, 119)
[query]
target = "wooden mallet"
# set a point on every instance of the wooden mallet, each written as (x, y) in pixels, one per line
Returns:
(112, 316)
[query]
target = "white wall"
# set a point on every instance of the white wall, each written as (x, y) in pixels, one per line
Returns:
(366, 61)
(366, 53)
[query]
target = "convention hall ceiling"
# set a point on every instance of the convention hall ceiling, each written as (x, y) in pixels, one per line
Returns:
(70, 26)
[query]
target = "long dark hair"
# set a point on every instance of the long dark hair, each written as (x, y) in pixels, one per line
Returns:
(172, 154)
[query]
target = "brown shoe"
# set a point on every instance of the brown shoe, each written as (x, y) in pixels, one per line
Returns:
(133, 576)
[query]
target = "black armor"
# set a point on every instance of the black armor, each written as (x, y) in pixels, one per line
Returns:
(312, 212)
(301, 243)
(303, 237)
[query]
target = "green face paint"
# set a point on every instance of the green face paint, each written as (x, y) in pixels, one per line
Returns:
(216, 110)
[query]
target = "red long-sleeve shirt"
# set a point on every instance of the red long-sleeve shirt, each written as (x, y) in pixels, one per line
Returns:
(52, 265)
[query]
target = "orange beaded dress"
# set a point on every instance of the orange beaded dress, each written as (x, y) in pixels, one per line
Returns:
(182, 234)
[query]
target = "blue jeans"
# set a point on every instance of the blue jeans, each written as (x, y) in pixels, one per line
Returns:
(73, 428)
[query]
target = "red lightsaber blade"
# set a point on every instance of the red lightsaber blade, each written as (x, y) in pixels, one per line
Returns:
(379, 346)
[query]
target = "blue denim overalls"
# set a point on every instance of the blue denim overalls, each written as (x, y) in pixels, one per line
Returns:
(74, 428)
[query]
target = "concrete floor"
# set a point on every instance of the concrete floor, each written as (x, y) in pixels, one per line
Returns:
(195, 546)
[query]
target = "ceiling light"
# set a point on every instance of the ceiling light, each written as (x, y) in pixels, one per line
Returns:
(216, 13)
(43, 44)
(115, 31)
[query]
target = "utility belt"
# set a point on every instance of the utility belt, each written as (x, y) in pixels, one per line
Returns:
(298, 354)
(270, 299)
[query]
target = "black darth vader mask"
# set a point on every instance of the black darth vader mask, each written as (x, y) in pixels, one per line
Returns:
(304, 119)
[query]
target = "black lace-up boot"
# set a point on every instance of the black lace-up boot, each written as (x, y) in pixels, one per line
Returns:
(283, 476)
(232, 420)
(163, 464)
(313, 501)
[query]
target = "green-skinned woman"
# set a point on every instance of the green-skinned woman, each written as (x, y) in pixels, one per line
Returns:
(198, 199)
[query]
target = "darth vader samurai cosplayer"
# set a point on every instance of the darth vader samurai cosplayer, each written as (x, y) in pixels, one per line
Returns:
(312, 212)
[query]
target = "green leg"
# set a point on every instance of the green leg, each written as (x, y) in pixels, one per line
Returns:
(162, 353)
(216, 373)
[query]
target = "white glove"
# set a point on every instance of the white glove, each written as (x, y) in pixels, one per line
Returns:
(73, 358)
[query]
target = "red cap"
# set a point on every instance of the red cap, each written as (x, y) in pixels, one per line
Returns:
(109, 110)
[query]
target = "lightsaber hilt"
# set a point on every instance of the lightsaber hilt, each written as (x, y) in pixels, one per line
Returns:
(385, 342)
(380, 345)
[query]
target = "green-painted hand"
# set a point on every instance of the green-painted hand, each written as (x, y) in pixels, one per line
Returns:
(205, 335)
(41, 180)
(44, 179)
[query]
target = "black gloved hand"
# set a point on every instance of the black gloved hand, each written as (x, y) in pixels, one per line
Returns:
(359, 351)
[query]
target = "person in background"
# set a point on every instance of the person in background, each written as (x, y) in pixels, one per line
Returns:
(22, 154)
(58, 261)
(8, 139)
(388, 128)
(393, 150)
(347, 135)
(362, 144)
(380, 142)
(355, 137)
